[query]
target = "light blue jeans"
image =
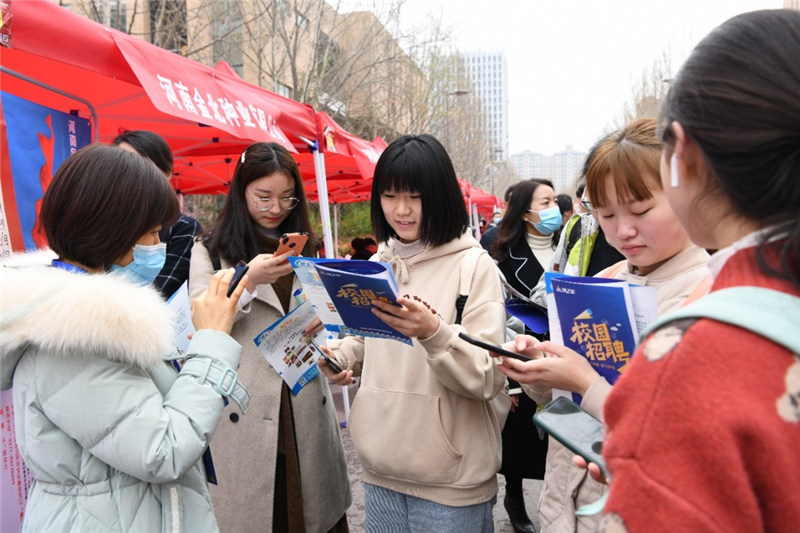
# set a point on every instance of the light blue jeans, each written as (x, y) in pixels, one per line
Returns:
(388, 511)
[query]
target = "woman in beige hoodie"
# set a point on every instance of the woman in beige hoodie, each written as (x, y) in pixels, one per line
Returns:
(624, 185)
(424, 430)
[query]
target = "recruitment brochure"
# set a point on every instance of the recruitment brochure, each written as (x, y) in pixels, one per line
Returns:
(341, 291)
(288, 350)
(600, 319)
(533, 315)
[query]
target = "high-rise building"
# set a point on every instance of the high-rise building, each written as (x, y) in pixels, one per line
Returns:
(562, 168)
(791, 4)
(488, 73)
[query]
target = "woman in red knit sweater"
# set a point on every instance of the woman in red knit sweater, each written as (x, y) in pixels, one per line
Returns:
(703, 431)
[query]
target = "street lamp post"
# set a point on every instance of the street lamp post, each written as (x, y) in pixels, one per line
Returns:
(457, 92)
(494, 151)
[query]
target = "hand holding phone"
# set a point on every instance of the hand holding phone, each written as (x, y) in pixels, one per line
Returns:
(239, 271)
(573, 427)
(292, 242)
(336, 368)
(494, 348)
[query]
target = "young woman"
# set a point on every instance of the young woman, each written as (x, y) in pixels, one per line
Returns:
(524, 249)
(283, 467)
(703, 430)
(179, 237)
(425, 433)
(623, 182)
(113, 434)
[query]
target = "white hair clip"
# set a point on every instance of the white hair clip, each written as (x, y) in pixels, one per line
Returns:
(243, 155)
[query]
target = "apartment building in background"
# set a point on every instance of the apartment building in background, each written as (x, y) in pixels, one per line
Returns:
(488, 72)
(562, 168)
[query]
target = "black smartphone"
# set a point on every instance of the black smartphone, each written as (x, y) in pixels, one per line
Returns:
(336, 368)
(494, 348)
(573, 427)
(239, 271)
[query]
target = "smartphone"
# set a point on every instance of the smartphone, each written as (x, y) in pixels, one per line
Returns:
(573, 427)
(336, 368)
(494, 348)
(239, 271)
(292, 242)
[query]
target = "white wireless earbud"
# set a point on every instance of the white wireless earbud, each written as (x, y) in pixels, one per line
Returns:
(673, 171)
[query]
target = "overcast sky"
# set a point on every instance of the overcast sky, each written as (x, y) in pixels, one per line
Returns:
(572, 63)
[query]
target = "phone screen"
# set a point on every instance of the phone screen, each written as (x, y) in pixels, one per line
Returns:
(573, 427)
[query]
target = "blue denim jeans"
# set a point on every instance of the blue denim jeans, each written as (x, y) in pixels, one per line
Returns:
(388, 511)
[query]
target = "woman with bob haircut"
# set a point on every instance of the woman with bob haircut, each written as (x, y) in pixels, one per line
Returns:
(113, 434)
(426, 436)
(708, 416)
(623, 183)
(283, 467)
(179, 237)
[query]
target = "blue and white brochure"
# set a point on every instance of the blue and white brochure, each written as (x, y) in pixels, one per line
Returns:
(600, 319)
(342, 291)
(288, 350)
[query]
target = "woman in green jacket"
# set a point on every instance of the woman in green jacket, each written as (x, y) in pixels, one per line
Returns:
(115, 437)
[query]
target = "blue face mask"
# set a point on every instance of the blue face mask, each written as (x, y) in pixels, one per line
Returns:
(550, 220)
(147, 263)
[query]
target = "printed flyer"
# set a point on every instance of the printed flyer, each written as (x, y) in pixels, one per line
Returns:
(287, 348)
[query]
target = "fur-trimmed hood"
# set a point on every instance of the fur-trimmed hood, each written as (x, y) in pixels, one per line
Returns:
(77, 314)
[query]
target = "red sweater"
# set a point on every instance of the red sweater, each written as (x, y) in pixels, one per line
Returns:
(704, 429)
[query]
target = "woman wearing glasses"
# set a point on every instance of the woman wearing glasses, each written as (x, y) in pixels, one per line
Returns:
(283, 468)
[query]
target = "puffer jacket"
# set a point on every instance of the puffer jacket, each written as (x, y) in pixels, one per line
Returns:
(113, 434)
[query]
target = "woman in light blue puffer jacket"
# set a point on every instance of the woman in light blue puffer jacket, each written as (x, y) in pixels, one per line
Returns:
(114, 435)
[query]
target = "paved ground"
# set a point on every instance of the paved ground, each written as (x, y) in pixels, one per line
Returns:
(355, 515)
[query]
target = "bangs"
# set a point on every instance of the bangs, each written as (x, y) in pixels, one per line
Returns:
(402, 175)
(634, 169)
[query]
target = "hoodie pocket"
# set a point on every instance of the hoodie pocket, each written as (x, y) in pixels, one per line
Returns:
(400, 435)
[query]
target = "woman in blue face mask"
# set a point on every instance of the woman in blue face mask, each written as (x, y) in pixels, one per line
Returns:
(524, 249)
(114, 435)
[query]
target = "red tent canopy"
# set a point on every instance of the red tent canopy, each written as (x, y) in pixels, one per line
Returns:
(207, 115)
(485, 202)
(135, 85)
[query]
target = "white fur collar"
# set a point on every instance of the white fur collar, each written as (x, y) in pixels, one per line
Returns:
(101, 314)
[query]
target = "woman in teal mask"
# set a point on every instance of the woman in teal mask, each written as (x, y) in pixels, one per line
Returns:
(115, 437)
(523, 249)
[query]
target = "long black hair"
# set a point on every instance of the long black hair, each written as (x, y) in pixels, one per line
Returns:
(233, 236)
(738, 98)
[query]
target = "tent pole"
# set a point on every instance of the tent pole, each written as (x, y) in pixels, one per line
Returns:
(336, 226)
(58, 91)
(325, 218)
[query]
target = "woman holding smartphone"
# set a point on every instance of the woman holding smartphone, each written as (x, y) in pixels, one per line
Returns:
(703, 430)
(426, 435)
(622, 179)
(283, 467)
(115, 437)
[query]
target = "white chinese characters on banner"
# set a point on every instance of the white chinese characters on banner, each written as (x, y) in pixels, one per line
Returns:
(236, 113)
